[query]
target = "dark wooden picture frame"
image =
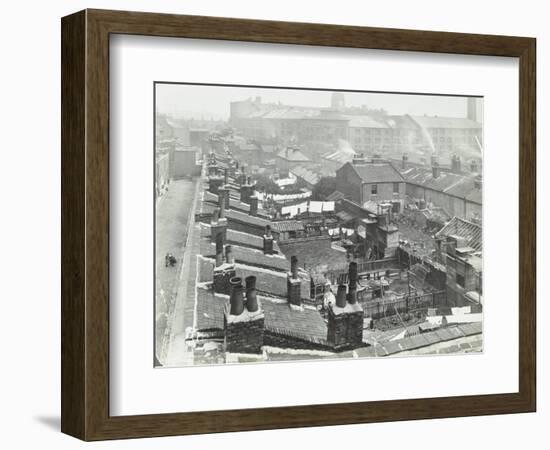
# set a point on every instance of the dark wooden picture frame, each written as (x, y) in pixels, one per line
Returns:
(85, 224)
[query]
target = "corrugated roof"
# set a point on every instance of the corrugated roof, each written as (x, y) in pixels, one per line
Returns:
(465, 229)
(287, 225)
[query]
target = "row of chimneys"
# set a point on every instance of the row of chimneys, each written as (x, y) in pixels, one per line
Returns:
(219, 185)
(456, 164)
(245, 334)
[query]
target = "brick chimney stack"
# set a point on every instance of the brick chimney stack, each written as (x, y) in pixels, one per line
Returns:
(268, 241)
(225, 176)
(218, 225)
(214, 183)
(345, 317)
(219, 250)
(404, 161)
(455, 164)
(243, 328)
(224, 270)
(294, 283)
(254, 205)
(436, 171)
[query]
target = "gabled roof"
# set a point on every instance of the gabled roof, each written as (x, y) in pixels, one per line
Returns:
(376, 172)
(465, 229)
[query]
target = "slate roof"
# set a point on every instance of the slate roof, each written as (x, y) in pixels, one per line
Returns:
(463, 228)
(306, 324)
(233, 202)
(336, 195)
(461, 186)
(249, 256)
(377, 172)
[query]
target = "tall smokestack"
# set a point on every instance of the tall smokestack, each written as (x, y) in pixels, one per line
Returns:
(251, 299)
(225, 176)
(341, 296)
(236, 300)
(219, 250)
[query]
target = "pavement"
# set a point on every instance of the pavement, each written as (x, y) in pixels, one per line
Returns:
(172, 221)
(175, 351)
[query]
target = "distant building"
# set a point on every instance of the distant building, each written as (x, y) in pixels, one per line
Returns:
(184, 162)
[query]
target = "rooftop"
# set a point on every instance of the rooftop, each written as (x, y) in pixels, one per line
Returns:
(465, 229)
(371, 172)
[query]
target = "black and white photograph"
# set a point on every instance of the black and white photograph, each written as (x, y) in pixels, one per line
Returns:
(304, 224)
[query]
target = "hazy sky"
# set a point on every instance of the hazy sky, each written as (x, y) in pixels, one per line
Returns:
(213, 101)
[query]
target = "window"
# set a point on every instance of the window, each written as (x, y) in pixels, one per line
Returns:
(374, 189)
(460, 280)
(396, 188)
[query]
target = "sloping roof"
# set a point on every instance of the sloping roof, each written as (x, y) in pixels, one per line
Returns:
(377, 172)
(306, 324)
(292, 154)
(465, 229)
(336, 195)
(462, 186)
(445, 122)
(249, 256)
(307, 175)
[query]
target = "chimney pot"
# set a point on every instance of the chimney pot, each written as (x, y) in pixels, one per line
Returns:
(236, 297)
(341, 296)
(251, 299)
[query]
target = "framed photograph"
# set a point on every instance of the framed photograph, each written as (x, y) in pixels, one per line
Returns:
(273, 225)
